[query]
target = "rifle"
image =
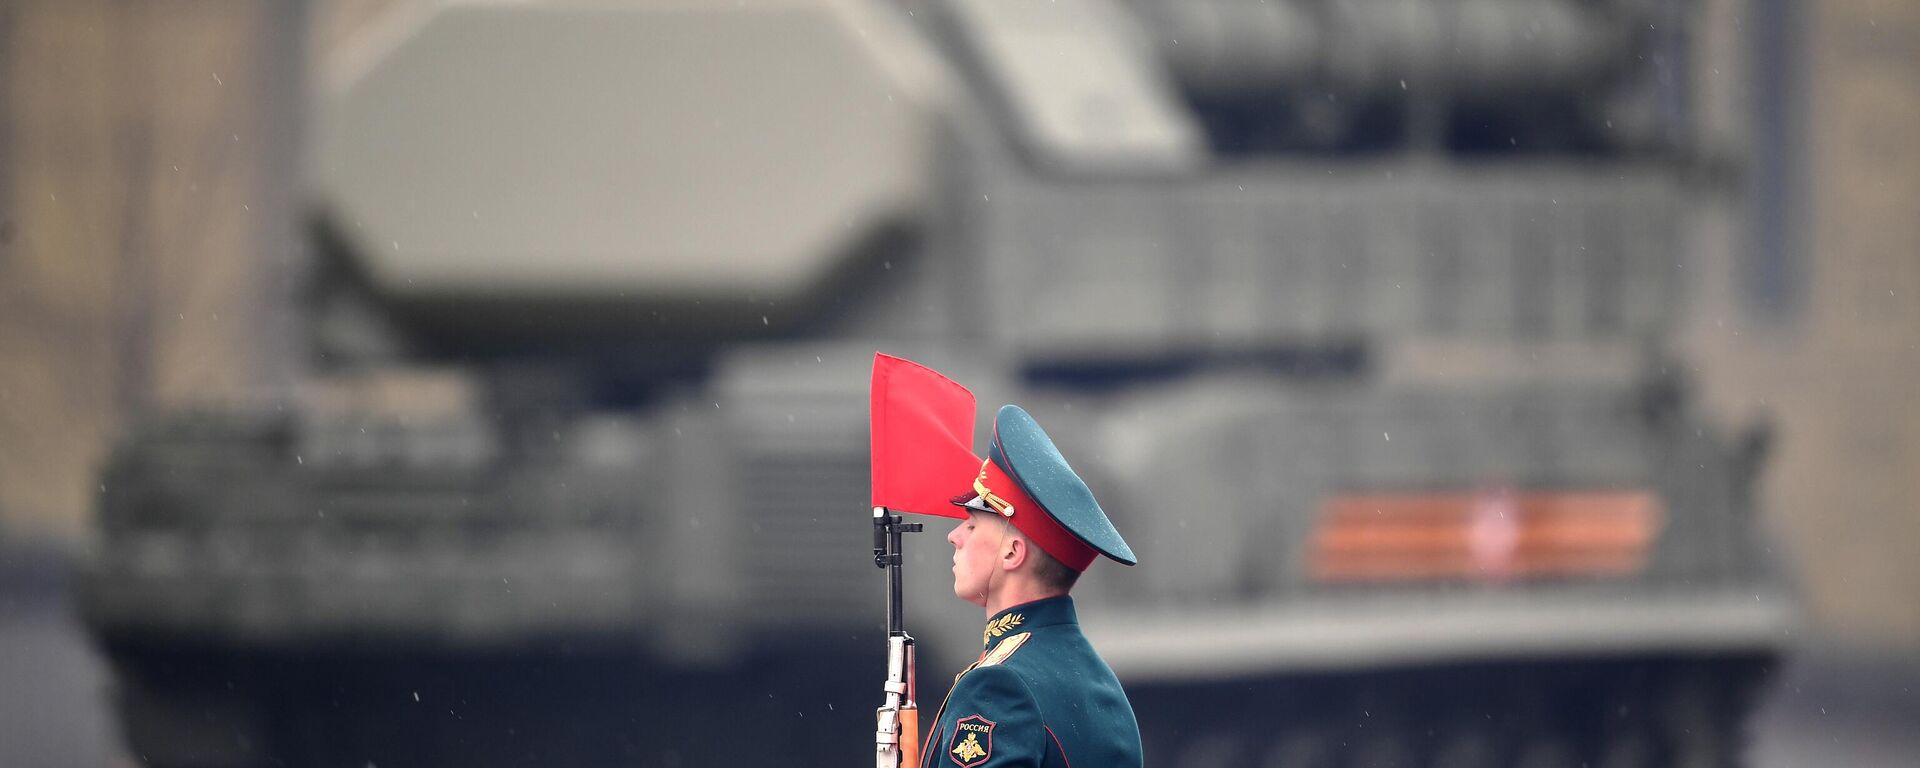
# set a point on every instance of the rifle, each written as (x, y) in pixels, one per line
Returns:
(897, 739)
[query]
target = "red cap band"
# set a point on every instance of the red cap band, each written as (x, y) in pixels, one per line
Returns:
(1031, 519)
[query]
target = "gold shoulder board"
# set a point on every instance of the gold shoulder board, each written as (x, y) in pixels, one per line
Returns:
(1003, 650)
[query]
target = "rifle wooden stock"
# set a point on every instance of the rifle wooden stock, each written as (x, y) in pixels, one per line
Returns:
(910, 736)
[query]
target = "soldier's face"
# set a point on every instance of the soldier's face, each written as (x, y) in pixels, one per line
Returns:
(976, 542)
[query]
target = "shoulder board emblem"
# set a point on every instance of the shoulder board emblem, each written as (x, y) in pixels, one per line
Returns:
(1003, 650)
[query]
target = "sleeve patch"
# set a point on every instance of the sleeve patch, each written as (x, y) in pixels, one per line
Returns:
(972, 742)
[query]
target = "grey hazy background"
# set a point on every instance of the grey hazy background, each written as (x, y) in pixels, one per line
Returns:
(151, 251)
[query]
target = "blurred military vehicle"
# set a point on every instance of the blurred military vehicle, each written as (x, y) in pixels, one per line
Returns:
(1356, 314)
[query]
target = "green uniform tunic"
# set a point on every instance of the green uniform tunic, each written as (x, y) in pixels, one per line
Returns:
(1039, 696)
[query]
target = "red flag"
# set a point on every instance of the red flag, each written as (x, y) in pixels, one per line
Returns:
(922, 438)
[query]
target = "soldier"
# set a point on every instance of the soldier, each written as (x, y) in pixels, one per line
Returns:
(1039, 695)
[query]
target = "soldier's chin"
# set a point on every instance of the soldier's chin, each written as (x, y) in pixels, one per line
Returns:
(971, 597)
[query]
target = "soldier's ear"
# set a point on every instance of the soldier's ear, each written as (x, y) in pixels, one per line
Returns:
(1015, 553)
